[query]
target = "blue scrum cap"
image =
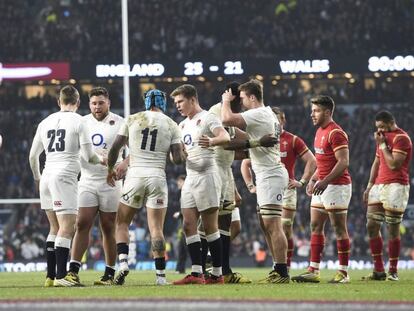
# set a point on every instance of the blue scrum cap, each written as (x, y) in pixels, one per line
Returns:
(155, 98)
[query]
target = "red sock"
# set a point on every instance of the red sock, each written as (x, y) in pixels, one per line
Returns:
(317, 245)
(394, 247)
(376, 245)
(344, 247)
(289, 251)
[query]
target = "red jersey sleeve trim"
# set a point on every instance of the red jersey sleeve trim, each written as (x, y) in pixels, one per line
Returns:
(340, 147)
(303, 152)
(399, 151)
(400, 136)
(336, 130)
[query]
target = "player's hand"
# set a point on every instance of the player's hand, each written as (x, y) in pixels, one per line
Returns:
(319, 187)
(309, 187)
(205, 142)
(268, 141)
(227, 96)
(251, 188)
(379, 137)
(104, 161)
(121, 170)
(111, 178)
(366, 195)
(293, 183)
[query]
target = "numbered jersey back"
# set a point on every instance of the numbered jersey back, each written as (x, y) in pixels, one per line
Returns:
(150, 136)
(61, 134)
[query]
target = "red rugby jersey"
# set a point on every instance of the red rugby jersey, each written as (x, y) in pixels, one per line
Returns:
(327, 141)
(291, 147)
(397, 141)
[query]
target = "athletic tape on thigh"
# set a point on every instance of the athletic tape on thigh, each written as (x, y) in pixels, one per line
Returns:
(377, 217)
(393, 220)
(287, 221)
(269, 212)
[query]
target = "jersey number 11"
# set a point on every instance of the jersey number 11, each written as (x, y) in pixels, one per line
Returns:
(145, 132)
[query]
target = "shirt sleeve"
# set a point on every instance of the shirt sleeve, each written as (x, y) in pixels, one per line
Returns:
(250, 117)
(176, 134)
(124, 130)
(213, 122)
(338, 139)
(402, 144)
(299, 146)
(84, 135)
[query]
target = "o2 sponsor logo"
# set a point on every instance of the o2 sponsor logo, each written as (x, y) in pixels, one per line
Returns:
(98, 140)
(188, 140)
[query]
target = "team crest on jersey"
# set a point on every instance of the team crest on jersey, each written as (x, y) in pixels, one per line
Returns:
(198, 122)
(112, 122)
(319, 151)
(187, 139)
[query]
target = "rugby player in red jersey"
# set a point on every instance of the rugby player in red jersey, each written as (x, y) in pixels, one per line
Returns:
(331, 190)
(387, 193)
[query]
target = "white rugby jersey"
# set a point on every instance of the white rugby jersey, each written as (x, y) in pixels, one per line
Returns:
(259, 122)
(150, 135)
(102, 135)
(62, 133)
(199, 159)
(224, 158)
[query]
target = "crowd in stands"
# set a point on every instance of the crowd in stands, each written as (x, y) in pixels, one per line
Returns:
(18, 127)
(231, 29)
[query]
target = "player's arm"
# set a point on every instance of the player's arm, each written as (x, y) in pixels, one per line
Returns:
(177, 154)
(311, 183)
(35, 151)
(86, 150)
(342, 163)
(310, 166)
(113, 154)
(122, 168)
(228, 117)
(395, 159)
(246, 171)
(221, 137)
(372, 176)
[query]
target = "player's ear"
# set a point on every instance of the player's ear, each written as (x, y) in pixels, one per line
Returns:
(58, 102)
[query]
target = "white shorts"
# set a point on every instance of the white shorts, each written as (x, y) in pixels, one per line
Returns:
(201, 191)
(290, 199)
(393, 197)
(270, 187)
(94, 193)
(235, 215)
(59, 193)
(334, 198)
(149, 191)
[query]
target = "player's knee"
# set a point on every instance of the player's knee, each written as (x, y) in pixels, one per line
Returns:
(83, 225)
(108, 227)
(316, 227)
(158, 244)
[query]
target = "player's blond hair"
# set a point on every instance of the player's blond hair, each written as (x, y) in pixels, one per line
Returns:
(69, 95)
(186, 90)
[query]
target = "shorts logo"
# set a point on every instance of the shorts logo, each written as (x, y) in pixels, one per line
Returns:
(160, 201)
(279, 197)
(57, 203)
(126, 196)
(112, 122)
(188, 140)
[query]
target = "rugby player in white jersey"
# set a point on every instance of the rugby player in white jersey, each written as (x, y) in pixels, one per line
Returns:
(271, 175)
(224, 159)
(95, 195)
(151, 136)
(63, 135)
(200, 195)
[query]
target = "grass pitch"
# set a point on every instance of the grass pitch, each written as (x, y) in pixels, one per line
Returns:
(28, 285)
